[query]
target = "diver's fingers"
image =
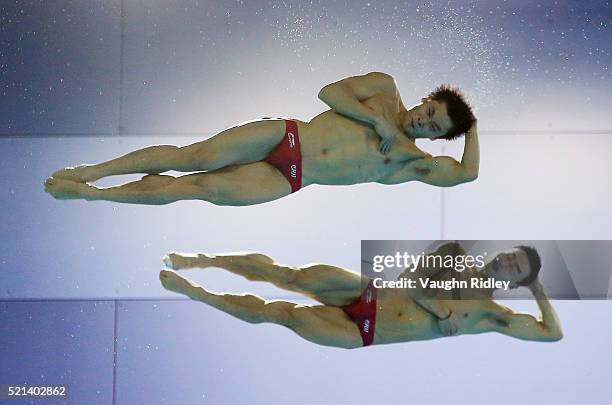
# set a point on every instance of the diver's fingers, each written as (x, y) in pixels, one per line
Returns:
(385, 146)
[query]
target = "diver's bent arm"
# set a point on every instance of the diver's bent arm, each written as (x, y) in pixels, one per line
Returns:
(550, 320)
(345, 96)
(470, 161)
(426, 298)
(445, 171)
(526, 327)
(442, 171)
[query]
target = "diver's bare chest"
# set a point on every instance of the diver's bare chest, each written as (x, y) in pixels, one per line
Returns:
(344, 166)
(467, 315)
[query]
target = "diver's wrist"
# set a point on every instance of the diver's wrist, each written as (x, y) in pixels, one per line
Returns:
(376, 118)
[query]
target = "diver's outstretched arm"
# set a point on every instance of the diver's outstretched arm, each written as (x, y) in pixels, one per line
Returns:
(527, 327)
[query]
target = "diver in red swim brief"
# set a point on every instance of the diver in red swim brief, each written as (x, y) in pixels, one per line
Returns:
(353, 142)
(287, 157)
(363, 313)
(382, 315)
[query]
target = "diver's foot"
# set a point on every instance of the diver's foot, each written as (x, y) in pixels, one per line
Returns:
(62, 189)
(179, 261)
(80, 174)
(172, 281)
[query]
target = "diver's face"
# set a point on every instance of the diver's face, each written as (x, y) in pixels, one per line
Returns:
(427, 120)
(510, 265)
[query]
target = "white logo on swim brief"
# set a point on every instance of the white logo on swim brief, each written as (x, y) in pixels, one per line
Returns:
(368, 295)
(293, 170)
(291, 140)
(366, 326)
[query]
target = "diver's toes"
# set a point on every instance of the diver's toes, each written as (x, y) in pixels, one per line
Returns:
(166, 274)
(168, 260)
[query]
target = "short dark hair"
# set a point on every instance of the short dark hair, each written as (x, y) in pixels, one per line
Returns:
(459, 111)
(535, 264)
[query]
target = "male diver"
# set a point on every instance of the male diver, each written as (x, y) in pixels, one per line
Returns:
(367, 136)
(355, 316)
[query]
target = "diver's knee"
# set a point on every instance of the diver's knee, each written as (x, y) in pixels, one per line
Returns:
(210, 194)
(192, 187)
(203, 187)
(281, 313)
(260, 258)
(308, 276)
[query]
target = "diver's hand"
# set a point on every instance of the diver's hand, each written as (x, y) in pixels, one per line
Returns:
(385, 145)
(387, 132)
(448, 326)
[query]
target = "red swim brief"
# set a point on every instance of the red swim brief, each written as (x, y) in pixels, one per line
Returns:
(363, 313)
(287, 157)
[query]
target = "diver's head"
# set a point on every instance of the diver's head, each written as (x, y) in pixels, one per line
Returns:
(519, 265)
(443, 114)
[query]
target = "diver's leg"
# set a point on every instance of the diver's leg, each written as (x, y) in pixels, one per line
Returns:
(245, 143)
(319, 324)
(330, 285)
(247, 307)
(254, 183)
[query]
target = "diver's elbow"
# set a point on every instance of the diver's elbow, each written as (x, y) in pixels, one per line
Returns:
(554, 336)
(471, 176)
(558, 336)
